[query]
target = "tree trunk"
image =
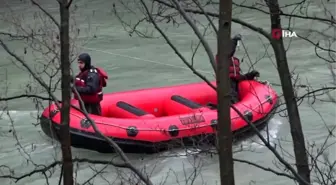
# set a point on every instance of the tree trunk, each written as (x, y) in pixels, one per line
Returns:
(224, 133)
(66, 95)
(288, 90)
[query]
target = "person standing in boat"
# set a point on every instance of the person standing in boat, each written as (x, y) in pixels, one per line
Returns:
(235, 71)
(89, 83)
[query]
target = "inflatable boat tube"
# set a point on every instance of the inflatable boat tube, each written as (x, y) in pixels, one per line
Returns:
(153, 119)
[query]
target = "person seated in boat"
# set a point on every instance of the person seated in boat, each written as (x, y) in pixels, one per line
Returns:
(89, 83)
(235, 73)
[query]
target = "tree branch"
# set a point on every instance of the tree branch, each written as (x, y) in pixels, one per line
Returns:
(270, 147)
(331, 20)
(44, 168)
(273, 150)
(69, 4)
(243, 23)
(198, 33)
(19, 37)
(174, 48)
(25, 96)
(36, 77)
(115, 146)
(206, 15)
(46, 13)
(264, 168)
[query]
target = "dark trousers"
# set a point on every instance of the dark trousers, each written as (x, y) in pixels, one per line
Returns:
(234, 91)
(93, 108)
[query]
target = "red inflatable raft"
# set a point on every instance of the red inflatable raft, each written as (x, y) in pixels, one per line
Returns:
(148, 118)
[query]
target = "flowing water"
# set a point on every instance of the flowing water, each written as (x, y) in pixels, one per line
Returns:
(134, 62)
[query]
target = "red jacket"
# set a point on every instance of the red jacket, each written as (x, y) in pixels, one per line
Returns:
(234, 69)
(80, 81)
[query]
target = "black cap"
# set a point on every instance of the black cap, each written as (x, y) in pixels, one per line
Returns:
(86, 59)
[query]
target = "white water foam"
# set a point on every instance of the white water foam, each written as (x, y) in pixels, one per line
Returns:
(269, 133)
(252, 143)
(15, 115)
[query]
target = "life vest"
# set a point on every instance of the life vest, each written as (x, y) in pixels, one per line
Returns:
(234, 69)
(80, 81)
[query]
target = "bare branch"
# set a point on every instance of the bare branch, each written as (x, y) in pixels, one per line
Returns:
(325, 20)
(243, 23)
(37, 78)
(264, 168)
(19, 37)
(69, 4)
(45, 168)
(206, 15)
(25, 96)
(175, 49)
(46, 13)
(128, 163)
(199, 35)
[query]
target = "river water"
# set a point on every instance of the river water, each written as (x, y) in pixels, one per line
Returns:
(134, 62)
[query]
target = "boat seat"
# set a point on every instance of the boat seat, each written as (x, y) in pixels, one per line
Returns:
(127, 110)
(185, 102)
(180, 105)
(212, 106)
